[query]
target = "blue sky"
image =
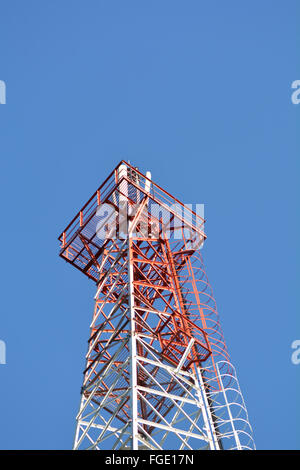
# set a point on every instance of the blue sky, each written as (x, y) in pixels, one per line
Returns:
(197, 92)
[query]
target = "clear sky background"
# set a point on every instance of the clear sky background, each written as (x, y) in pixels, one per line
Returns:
(199, 93)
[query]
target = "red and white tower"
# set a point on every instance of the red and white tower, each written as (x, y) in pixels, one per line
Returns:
(158, 374)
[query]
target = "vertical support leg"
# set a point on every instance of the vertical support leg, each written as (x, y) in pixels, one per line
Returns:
(133, 375)
(207, 415)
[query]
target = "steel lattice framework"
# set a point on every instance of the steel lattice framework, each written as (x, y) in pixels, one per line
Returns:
(158, 374)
